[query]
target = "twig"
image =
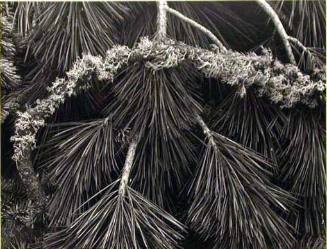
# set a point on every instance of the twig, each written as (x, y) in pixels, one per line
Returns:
(127, 167)
(300, 45)
(280, 28)
(198, 26)
(162, 19)
(206, 131)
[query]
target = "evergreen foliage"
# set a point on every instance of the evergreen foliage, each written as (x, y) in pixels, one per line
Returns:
(155, 125)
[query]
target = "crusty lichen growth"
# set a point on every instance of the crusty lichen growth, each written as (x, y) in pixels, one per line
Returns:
(284, 85)
(29, 122)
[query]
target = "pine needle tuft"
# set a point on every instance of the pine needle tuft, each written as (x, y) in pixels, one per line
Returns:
(120, 222)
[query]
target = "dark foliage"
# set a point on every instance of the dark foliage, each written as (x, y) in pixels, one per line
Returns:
(157, 106)
(257, 180)
(120, 222)
(304, 169)
(250, 121)
(76, 150)
(233, 199)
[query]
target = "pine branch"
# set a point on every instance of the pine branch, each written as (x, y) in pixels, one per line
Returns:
(301, 46)
(120, 219)
(306, 20)
(119, 222)
(162, 23)
(206, 130)
(198, 26)
(82, 26)
(127, 167)
(280, 28)
(230, 68)
(234, 202)
(81, 159)
(250, 121)
(303, 163)
(152, 105)
(29, 122)
(162, 19)
(9, 78)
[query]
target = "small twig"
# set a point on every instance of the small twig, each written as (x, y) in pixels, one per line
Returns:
(280, 28)
(162, 19)
(198, 26)
(206, 131)
(300, 45)
(127, 167)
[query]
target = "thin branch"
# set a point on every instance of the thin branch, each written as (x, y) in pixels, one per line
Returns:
(127, 167)
(162, 19)
(198, 26)
(206, 131)
(300, 45)
(280, 28)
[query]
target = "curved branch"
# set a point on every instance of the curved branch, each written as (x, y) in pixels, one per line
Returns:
(280, 28)
(127, 167)
(198, 26)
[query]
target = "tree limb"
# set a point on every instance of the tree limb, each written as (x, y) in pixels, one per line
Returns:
(198, 26)
(280, 28)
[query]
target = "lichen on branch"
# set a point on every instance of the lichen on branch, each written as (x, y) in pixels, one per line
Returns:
(284, 85)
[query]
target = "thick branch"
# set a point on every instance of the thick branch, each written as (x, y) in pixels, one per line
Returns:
(198, 26)
(162, 19)
(127, 167)
(206, 131)
(280, 28)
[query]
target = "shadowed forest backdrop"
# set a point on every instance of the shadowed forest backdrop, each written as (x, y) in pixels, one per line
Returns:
(163, 125)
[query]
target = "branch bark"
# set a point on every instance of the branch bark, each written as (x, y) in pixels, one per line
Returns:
(300, 45)
(206, 131)
(127, 167)
(162, 19)
(279, 26)
(198, 26)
